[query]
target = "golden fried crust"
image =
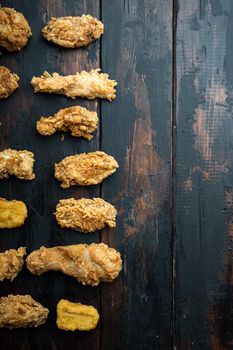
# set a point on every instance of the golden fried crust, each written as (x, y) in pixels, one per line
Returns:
(8, 82)
(85, 169)
(12, 213)
(76, 316)
(85, 215)
(11, 263)
(73, 31)
(89, 264)
(89, 85)
(21, 311)
(14, 29)
(17, 163)
(78, 120)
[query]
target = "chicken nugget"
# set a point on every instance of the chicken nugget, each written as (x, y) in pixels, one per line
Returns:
(11, 263)
(17, 163)
(12, 213)
(8, 82)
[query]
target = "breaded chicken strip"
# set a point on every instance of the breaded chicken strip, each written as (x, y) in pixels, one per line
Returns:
(78, 120)
(85, 169)
(11, 263)
(8, 82)
(89, 264)
(18, 311)
(17, 163)
(85, 215)
(12, 213)
(73, 31)
(14, 29)
(89, 85)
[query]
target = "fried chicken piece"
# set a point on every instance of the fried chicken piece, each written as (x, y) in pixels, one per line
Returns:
(14, 29)
(8, 82)
(89, 264)
(78, 120)
(85, 215)
(85, 169)
(76, 316)
(89, 85)
(11, 263)
(21, 311)
(12, 213)
(17, 163)
(73, 31)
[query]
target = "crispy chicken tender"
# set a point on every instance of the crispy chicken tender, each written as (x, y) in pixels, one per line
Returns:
(17, 163)
(78, 120)
(85, 215)
(89, 264)
(11, 263)
(8, 82)
(76, 316)
(73, 31)
(21, 311)
(12, 213)
(89, 85)
(85, 169)
(14, 29)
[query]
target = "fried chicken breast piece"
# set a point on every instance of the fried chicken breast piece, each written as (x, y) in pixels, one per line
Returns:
(18, 311)
(78, 120)
(8, 82)
(85, 169)
(89, 264)
(14, 29)
(85, 215)
(17, 163)
(76, 316)
(12, 213)
(89, 85)
(11, 263)
(73, 31)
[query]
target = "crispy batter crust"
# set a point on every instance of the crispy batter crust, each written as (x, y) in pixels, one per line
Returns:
(8, 82)
(17, 163)
(78, 120)
(89, 85)
(14, 29)
(85, 169)
(73, 31)
(12, 213)
(21, 311)
(89, 264)
(85, 215)
(11, 263)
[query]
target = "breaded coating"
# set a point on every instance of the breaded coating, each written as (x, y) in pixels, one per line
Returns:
(85, 215)
(89, 85)
(73, 31)
(14, 29)
(76, 316)
(21, 311)
(89, 264)
(8, 82)
(78, 120)
(85, 169)
(12, 213)
(17, 163)
(11, 263)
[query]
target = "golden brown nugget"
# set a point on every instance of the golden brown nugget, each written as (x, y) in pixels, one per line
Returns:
(73, 31)
(12, 213)
(89, 85)
(85, 169)
(85, 215)
(17, 163)
(8, 82)
(89, 264)
(11, 263)
(78, 120)
(21, 311)
(14, 29)
(76, 316)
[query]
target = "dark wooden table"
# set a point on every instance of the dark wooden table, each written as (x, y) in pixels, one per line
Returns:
(171, 130)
